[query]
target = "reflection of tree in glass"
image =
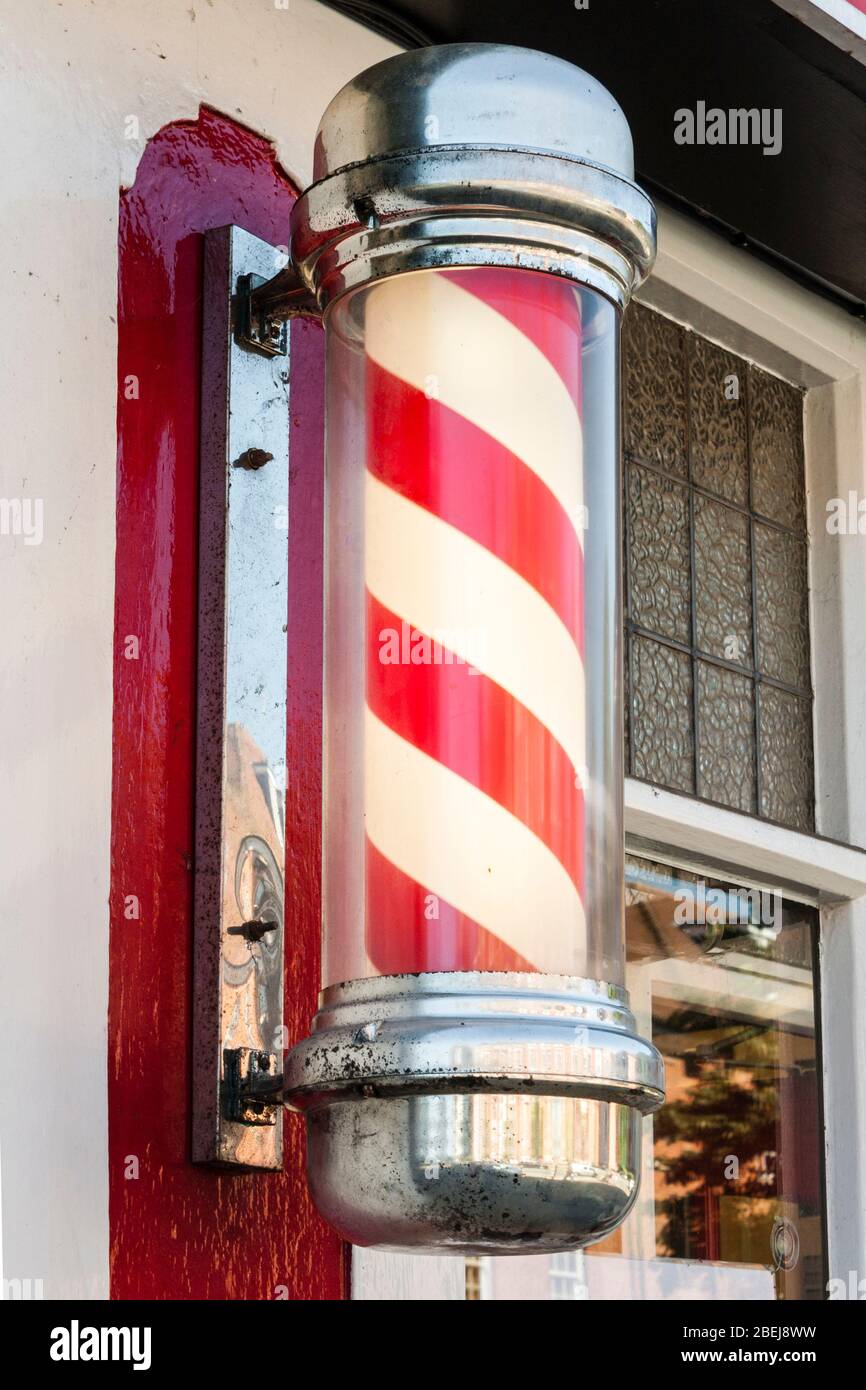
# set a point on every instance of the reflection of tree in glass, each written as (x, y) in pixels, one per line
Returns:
(731, 1109)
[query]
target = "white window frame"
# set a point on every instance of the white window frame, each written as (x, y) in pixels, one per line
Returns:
(753, 310)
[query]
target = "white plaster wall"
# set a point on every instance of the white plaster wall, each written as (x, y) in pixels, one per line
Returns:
(72, 73)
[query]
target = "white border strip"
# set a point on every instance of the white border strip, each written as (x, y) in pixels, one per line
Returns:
(695, 830)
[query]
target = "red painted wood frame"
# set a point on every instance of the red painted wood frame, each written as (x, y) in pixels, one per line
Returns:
(178, 1231)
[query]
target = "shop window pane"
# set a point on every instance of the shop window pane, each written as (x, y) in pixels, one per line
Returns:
(663, 733)
(787, 774)
(654, 421)
(716, 565)
(473, 1279)
(726, 740)
(731, 1206)
(723, 582)
(568, 1277)
(776, 411)
(717, 418)
(783, 617)
(658, 554)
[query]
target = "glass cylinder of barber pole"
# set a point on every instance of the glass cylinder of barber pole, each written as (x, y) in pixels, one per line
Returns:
(473, 1080)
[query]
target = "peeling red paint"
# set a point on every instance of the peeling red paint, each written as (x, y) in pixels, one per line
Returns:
(178, 1231)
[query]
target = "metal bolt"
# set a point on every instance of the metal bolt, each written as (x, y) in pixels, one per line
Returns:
(253, 931)
(253, 459)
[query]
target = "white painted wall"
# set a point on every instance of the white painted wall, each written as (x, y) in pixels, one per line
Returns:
(71, 74)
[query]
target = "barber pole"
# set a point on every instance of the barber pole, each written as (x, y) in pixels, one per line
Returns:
(472, 1080)
(473, 530)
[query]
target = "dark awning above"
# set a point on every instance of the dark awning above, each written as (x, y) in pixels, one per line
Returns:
(804, 208)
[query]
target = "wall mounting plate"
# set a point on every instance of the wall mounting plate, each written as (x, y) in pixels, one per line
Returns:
(239, 1031)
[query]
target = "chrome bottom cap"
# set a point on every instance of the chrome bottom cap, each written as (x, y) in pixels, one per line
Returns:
(474, 1112)
(474, 1174)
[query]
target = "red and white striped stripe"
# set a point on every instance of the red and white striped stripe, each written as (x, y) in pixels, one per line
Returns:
(473, 517)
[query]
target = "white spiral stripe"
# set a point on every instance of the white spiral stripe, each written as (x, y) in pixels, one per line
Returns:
(468, 850)
(447, 342)
(453, 589)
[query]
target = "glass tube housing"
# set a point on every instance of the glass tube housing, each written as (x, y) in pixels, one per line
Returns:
(473, 691)
(473, 1079)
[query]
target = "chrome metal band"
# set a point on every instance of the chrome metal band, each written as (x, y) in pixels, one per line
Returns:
(469, 206)
(470, 1032)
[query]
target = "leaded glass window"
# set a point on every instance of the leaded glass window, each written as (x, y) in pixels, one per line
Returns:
(718, 684)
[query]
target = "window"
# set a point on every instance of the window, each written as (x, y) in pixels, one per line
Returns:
(473, 1279)
(731, 1205)
(725, 980)
(568, 1276)
(718, 684)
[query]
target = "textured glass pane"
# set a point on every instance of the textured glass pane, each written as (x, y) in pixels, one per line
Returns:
(782, 597)
(786, 758)
(723, 581)
(654, 390)
(658, 551)
(662, 733)
(717, 420)
(726, 751)
(712, 424)
(626, 712)
(777, 450)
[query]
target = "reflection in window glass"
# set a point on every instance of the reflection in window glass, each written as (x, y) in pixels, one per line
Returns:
(722, 978)
(568, 1276)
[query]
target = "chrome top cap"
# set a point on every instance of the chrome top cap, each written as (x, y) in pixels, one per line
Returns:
(481, 94)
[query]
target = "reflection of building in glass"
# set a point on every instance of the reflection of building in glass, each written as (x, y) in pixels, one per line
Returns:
(252, 888)
(568, 1276)
(737, 1147)
(731, 1203)
(275, 798)
(473, 1279)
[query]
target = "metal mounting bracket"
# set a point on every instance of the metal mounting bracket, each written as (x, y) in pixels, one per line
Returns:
(265, 306)
(252, 1086)
(239, 1034)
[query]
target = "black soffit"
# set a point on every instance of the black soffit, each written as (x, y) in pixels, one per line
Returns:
(804, 208)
